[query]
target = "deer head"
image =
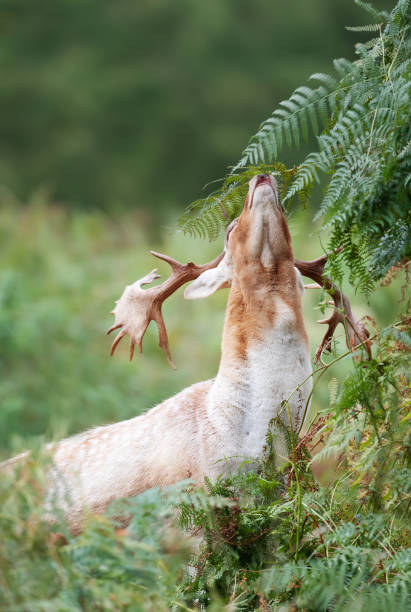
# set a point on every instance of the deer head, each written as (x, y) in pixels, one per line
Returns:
(258, 265)
(255, 244)
(257, 260)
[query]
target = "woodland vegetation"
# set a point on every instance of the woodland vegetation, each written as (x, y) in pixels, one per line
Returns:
(336, 540)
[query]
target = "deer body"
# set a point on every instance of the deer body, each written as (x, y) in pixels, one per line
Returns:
(212, 426)
(158, 448)
(205, 430)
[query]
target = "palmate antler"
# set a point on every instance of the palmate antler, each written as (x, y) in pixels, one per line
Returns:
(356, 332)
(137, 307)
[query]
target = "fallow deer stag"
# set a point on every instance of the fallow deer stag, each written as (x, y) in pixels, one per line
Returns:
(211, 426)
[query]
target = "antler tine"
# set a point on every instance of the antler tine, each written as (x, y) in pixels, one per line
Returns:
(356, 332)
(137, 307)
(170, 260)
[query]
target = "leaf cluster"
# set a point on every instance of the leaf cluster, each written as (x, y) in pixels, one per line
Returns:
(360, 118)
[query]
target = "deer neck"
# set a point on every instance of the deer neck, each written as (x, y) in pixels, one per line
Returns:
(265, 355)
(264, 305)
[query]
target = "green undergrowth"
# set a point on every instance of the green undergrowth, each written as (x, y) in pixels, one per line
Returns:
(265, 538)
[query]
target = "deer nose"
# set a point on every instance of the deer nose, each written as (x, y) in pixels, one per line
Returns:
(262, 178)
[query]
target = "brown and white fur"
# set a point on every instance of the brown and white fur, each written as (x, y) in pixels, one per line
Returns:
(212, 426)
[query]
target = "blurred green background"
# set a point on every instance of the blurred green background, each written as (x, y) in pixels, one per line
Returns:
(113, 115)
(139, 103)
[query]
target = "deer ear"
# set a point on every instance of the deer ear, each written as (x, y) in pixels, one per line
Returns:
(211, 280)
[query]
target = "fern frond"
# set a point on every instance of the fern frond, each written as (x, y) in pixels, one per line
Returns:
(372, 27)
(209, 217)
(367, 6)
(362, 149)
(290, 122)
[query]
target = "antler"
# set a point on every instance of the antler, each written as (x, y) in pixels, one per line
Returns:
(137, 307)
(356, 332)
